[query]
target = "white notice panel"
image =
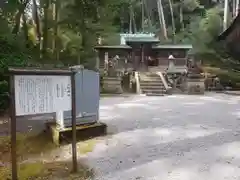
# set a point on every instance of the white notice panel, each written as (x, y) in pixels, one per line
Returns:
(36, 94)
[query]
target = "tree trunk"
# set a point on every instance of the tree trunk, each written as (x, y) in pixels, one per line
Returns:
(162, 18)
(56, 29)
(142, 5)
(233, 8)
(159, 17)
(149, 16)
(36, 20)
(130, 19)
(45, 28)
(225, 15)
(25, 29)
(237, 7)
(173, 22)
(181, 16)
(133, 19)
(18, 16)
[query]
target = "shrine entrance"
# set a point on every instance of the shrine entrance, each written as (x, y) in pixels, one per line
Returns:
(152, 61)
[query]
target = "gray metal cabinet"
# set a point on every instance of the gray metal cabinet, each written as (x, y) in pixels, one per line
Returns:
(87, 98)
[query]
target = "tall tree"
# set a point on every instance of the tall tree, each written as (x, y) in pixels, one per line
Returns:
(162, 18)
(225, 18)
(173, 21)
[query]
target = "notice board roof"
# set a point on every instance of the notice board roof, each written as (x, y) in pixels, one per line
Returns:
(38, 71)
(235, 24)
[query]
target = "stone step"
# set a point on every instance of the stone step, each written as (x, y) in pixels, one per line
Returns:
(152, 75)
(153, 91)
(151, 83)
(150, 79)
(152, 87)
(148, 74)
(155, 86)
(154, 94)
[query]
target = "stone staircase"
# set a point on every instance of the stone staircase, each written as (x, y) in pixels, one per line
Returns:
(151, 84)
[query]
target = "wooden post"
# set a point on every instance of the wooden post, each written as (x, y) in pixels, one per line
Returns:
(74, 116)
(13, 129)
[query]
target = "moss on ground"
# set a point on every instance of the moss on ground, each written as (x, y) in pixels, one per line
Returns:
(44, 171)
(36, 144)
(225, 75)
(86, 146)
(27, 144)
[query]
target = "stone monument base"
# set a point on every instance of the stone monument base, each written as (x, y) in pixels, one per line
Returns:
(195, 86)
(112, 85)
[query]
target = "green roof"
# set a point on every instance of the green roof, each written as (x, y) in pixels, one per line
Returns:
(141, 39)
(113, 47)
(173, 46)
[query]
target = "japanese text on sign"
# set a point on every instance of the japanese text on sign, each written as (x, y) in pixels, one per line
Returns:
(36, 94)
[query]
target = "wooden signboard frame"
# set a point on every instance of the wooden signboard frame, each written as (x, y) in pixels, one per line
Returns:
(13, 72)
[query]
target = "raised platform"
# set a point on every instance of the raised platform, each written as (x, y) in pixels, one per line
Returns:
(83, 132)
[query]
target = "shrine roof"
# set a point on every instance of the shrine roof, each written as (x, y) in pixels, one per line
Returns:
(173, 46)
(112, 47)
(235, 23)
(142, 39)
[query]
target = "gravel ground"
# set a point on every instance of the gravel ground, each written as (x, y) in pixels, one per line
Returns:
(182, 137)
(169, 138)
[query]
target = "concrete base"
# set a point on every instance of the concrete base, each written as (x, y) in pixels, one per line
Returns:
(64, 135)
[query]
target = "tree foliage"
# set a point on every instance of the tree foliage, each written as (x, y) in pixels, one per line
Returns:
(65, 32)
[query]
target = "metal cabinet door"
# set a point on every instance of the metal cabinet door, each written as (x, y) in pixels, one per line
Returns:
(90, 95)
(87, 98)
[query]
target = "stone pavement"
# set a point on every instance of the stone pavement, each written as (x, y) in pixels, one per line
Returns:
(183, 137)
(236, 93)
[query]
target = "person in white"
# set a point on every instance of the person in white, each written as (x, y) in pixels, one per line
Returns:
(171, 61)
(171, 56)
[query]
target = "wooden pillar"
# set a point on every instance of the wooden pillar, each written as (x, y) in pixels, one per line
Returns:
(142, 54)
(134, 59)
(143, 65)
(97, 64)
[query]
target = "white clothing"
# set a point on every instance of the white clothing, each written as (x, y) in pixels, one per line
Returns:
(171, 57)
